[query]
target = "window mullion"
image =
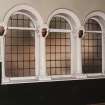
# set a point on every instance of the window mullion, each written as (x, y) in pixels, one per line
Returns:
(42, 59)
(4, 78)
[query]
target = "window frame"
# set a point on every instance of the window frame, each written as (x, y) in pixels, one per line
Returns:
(34, 16)
(73, 21)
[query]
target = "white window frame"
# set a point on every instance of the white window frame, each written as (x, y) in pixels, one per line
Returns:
(37, 21)
(75, 25)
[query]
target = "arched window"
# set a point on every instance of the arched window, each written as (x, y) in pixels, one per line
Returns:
(92, 47)
(58, 47)
(20, 53)
(61, 44)
(20, 47)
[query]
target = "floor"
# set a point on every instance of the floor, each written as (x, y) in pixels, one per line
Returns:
(99, 104)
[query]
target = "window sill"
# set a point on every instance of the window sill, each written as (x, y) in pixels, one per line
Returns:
(53, 78)
(96, 75)
(18, 80)
(78, 77)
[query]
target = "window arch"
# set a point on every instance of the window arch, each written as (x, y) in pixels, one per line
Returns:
(93, 44)
(61, 44)
(20, 60)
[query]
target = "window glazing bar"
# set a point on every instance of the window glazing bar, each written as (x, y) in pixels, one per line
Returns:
(93, 31)
(60, 30)
(22, 28)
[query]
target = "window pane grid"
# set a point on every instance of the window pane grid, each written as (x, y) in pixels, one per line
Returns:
(58, 49)
(19, 20)
(59, 60)
(92, 49)
(19, 49)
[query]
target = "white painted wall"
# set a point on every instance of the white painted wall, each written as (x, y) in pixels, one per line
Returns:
(80, 7)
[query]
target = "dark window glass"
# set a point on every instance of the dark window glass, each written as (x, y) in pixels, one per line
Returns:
(92, 48)
(19, 48)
